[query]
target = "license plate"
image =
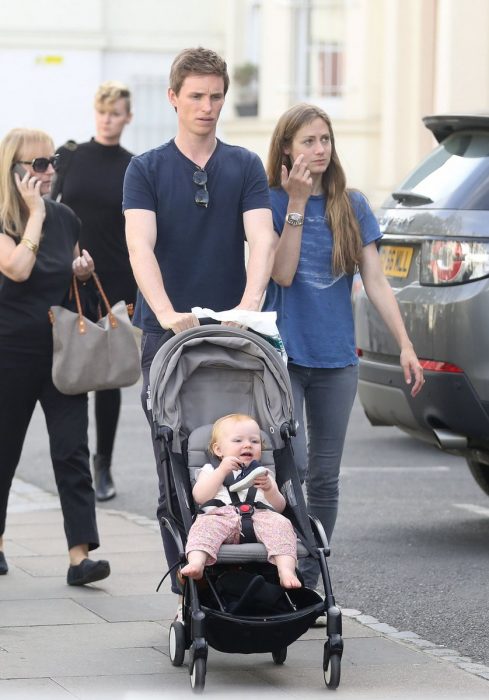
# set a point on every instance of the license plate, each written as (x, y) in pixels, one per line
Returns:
(395, 260)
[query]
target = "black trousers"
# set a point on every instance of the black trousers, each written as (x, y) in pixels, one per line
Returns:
(118, 283)
(24, 381)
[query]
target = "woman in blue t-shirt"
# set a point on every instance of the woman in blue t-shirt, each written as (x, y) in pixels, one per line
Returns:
(327, 232)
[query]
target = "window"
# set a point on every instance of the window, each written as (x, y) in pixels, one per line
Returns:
(319, 51)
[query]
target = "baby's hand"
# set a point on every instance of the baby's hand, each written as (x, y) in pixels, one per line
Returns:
(264, 482)
(229, 464)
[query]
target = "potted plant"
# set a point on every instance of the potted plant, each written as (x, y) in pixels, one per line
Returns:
(245, 76)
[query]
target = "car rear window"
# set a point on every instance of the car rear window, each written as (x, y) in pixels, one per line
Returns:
(454, 176)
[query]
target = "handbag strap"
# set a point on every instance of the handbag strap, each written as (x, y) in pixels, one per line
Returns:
(82, 328)
(112, 318)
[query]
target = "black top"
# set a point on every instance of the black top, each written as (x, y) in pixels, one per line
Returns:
(92, 187)
(24, 323)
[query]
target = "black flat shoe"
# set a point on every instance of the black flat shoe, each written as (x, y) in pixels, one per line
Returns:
(3, 564)
(87, 571)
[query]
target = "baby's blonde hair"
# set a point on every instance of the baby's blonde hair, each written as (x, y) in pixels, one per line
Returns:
(218, 425)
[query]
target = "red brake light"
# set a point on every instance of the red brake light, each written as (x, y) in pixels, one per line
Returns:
(435, 366)
(447, 259)
(450, 261)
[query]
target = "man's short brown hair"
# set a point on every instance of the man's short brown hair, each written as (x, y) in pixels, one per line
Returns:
(197, 61)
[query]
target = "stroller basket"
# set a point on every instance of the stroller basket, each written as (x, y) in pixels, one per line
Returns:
(254, 635)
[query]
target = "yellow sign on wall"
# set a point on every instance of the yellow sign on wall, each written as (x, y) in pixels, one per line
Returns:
(50, 60)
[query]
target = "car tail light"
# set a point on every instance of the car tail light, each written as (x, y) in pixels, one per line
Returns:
(437, 366)
(453, 262)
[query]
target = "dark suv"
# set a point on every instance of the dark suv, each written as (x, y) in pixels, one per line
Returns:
(435, 253)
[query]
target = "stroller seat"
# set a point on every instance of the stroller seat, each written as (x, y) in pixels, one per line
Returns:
(196, 377)
(198, 455)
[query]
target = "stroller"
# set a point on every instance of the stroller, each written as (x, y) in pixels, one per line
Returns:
(196, 377)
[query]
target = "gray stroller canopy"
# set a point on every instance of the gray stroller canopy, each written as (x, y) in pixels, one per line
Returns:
(205, 373)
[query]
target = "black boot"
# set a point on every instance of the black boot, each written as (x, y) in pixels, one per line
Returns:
(104, 486)
(3, 564)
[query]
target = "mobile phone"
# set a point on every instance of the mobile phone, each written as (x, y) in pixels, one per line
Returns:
(20, 170)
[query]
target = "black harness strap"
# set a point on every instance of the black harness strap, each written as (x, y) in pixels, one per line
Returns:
(245, 509)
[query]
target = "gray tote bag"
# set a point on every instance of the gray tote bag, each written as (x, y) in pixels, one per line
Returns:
(89, 356)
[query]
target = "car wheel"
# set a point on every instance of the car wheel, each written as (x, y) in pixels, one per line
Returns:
(480, 472)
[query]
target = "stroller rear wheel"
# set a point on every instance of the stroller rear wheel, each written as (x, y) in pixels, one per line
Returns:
(197, 675)
(279, 656)
(176, 643)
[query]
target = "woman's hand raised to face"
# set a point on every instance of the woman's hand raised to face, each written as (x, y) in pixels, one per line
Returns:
(29, 187)
(83, 266)
(298, 183)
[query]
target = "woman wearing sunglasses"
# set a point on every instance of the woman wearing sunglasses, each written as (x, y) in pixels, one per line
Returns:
(38, 255)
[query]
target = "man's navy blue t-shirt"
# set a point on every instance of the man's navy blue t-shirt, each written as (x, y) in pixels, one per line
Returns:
(200, 250)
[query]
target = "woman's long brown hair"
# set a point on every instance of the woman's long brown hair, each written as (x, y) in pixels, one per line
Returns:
(347, 241)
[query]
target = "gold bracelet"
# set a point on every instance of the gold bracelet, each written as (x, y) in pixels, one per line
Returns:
(33, 247)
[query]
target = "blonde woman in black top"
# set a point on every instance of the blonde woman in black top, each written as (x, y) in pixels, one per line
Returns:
(38, 255)
(90, 182)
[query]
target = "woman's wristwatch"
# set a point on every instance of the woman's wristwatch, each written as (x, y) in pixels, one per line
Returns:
(294, 219)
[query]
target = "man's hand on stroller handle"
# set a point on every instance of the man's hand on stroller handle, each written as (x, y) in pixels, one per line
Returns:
(178, 322)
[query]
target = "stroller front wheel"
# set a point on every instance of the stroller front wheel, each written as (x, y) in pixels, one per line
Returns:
(279, 656)
(332, 671)
(197, 675)
(176, 643)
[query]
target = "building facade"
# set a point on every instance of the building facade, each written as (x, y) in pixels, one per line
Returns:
(376, 66)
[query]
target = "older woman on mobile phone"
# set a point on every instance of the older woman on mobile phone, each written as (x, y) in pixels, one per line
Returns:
(327, 232)
(38, 256)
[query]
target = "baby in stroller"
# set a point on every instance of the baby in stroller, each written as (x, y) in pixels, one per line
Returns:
(236, 441)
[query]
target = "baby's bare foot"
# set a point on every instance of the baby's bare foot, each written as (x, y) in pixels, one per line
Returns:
(289, 580)
(193, 571)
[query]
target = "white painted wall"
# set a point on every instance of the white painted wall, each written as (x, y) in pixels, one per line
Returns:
(405, 58)
(55, 53)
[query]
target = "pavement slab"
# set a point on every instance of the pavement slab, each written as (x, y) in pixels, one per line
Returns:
(109, 640)
(27, 613)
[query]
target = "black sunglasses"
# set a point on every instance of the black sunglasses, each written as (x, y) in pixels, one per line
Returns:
(40, 165)
(202, 195)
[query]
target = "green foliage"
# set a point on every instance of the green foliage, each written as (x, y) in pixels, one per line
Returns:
(245, 73)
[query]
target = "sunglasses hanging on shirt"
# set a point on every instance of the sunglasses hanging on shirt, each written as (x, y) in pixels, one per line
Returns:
(202, 194)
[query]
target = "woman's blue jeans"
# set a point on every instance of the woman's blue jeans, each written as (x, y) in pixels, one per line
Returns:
(323, 399)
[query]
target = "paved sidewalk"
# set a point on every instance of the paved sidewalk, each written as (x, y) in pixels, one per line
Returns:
(109, 640)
